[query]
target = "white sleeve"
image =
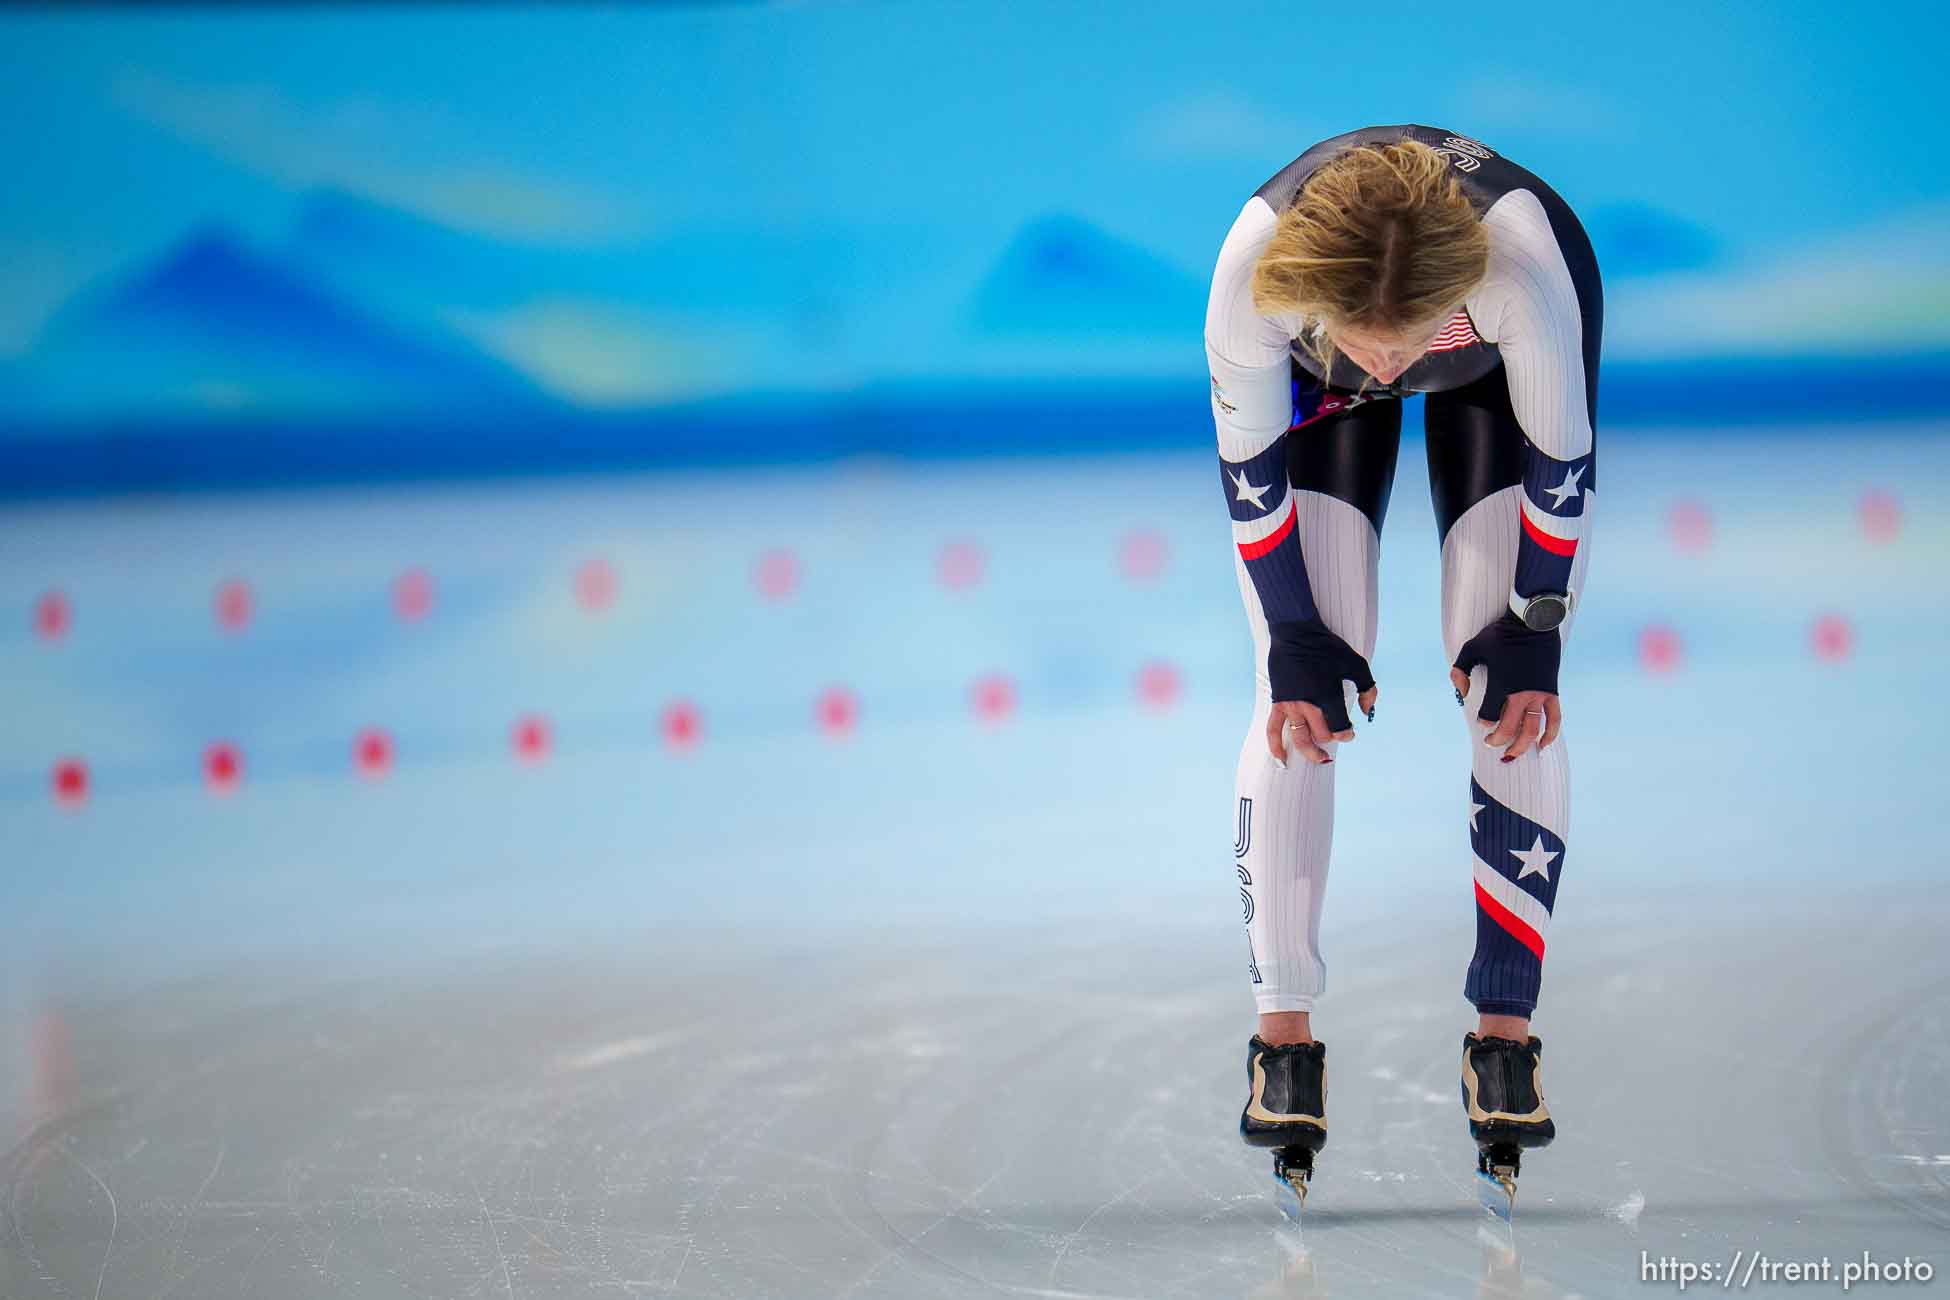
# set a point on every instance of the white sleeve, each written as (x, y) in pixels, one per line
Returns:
(1246, 353)
(1530, 304)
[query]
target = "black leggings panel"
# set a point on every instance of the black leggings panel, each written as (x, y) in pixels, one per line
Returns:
(1475, 446)
(1350, 455)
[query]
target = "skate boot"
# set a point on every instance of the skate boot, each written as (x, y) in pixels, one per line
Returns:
(1503, 1097)
(1286, 1110)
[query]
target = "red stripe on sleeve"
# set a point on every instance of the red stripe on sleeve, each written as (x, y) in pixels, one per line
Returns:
(1555, 545)
(1253, 550)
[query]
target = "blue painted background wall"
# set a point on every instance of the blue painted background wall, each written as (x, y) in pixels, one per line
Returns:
(295, 245)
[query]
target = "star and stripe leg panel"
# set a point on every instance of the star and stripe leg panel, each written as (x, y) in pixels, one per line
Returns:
(1516, 859)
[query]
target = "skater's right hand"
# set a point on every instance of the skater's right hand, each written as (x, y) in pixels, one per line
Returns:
(1309, 729)
(1308, 665)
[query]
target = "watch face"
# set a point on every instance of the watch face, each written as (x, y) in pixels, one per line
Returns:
(1545, 612)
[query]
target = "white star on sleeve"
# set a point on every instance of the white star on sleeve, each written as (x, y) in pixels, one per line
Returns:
(1568, 488)
(1247, 492)
(1475, 808)
(1536, 860)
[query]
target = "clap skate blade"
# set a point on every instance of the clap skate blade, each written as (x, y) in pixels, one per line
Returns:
(1292, 1167)
(1496, 1179)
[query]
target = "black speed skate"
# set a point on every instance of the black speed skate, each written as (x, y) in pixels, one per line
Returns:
(1504, 1099)
(1286, 1109)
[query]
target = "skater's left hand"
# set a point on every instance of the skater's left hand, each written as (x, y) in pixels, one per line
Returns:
(1519, 684)
(1519, 726)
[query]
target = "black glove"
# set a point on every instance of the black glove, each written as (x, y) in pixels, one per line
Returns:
(1308, 662)
(1519, 660)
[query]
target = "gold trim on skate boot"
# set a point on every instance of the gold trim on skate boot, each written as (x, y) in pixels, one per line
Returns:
(1256, 1108)
(1478, 1115)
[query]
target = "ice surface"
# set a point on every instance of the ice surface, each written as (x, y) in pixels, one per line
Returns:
(1027, 1113)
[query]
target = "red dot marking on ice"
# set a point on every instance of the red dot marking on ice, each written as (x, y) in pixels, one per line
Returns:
(413, 595)
(1659, 649)
(993, 698)
(683, 725)
(71, 782)
(960, 565)
(1141, 556)
(1158, 686)
(1832, 638)
(53, 616)
(776, 574)
(838, 711)
(1881, 514)
(1690, 526)
(531, 738)
(372, 752)
(223, 767)
(596, 586)
(234, 605)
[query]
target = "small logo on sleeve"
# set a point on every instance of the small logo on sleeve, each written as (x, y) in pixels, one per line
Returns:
(1219, 396)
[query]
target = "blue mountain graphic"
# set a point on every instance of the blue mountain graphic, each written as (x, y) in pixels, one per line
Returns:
(1063, 277)
(216, 325)
(770, 270)
(382, 254)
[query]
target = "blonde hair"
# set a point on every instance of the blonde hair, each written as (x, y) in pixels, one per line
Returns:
(1380, 237)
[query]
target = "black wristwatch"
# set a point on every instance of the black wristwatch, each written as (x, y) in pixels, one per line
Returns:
(1543, 610)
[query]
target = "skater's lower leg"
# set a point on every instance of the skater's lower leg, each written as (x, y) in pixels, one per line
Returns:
(1516, 1028)
(1284, 1028)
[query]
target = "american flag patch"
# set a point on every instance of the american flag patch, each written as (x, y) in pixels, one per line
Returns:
(1458, 333)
